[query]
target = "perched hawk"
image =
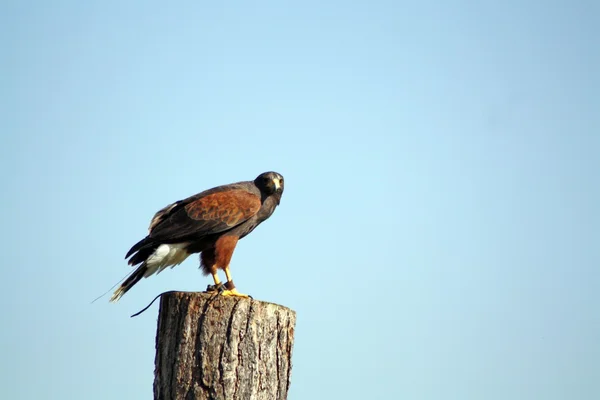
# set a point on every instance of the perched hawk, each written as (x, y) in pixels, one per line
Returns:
(210, 223)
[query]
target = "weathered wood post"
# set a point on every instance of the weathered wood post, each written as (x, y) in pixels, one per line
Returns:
(215, 347)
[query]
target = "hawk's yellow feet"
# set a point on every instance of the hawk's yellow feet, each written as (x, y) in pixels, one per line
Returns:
(234, 292)
(230, 289)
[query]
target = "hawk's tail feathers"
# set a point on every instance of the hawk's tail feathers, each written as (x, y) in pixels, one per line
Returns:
(141, 251)
(129, 282)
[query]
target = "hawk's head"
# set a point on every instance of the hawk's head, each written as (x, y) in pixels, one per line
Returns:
(270, 183)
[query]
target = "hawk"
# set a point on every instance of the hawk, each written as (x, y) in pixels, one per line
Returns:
(209, 223)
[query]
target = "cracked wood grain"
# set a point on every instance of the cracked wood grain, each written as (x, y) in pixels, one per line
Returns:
(221, 348)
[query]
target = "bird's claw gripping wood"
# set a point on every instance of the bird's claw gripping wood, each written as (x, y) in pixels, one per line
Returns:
(234, 292)
(219, 287)
(231, 291)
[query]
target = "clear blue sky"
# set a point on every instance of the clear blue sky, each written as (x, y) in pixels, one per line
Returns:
(439, 233)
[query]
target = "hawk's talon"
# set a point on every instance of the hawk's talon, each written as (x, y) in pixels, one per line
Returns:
(219, 287)
(234, 293)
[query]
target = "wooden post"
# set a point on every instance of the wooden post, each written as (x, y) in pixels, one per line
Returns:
(215, 347)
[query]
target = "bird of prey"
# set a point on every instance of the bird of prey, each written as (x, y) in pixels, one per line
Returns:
(209, 223)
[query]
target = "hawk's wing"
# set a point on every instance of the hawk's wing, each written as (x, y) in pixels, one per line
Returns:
(201, 216)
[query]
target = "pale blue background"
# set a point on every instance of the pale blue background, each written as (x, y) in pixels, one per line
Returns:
(439, 232)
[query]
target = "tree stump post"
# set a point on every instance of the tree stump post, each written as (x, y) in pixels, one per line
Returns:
(221, 348)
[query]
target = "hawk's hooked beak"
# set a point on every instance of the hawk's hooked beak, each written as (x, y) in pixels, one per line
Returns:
(277, 183)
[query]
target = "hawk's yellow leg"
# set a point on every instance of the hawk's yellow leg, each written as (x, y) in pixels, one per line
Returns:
(217, 286)
(233, 291)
